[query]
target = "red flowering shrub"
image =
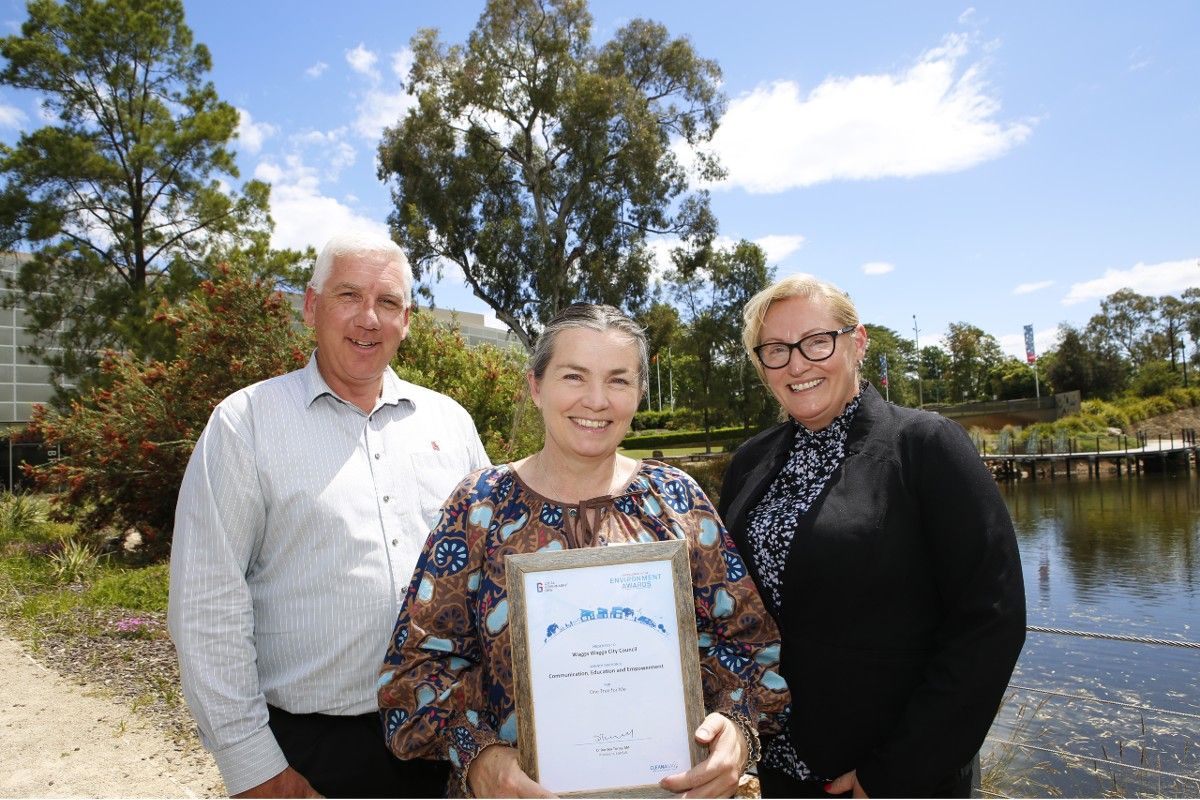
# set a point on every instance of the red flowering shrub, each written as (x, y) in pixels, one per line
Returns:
(126, 444)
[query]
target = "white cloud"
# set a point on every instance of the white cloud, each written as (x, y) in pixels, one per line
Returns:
(11, 116)
(252, 134)
(1030, 288)
(937, 116)
(377, 107)
(316, 70)
(779, 246)
(1138, 60)
(1013, 344)
(877, 268)
(1168, 277)
(304, 216)
(362, 61)
(378, 110)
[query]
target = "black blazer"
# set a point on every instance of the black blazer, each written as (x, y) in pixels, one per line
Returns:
(903, 606)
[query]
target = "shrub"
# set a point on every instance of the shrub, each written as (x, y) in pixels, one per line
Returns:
(74, 562)
(488, 381)
(21, 512)
(127, 442)
(675, 438)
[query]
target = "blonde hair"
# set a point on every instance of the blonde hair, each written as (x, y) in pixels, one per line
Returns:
(799, 285)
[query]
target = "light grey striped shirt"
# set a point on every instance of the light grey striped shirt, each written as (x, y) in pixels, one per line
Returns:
(299, 522)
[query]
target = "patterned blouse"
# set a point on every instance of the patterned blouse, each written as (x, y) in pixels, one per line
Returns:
(446, 686)
(772, 524)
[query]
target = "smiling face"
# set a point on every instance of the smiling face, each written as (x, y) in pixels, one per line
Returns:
(588, 393)
(812, 392)
(360, 316)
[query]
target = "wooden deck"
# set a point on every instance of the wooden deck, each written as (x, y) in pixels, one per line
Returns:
(1159, 455)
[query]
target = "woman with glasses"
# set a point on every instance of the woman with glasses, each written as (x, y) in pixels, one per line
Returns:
(884, 551)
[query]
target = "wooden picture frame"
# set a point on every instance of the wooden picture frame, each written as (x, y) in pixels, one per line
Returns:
(604, 696)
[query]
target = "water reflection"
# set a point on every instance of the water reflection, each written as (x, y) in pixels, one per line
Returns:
(1118, 557)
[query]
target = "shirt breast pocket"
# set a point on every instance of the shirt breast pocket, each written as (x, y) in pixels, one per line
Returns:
(436, 476)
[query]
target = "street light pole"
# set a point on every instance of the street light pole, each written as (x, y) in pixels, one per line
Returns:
(917, 344)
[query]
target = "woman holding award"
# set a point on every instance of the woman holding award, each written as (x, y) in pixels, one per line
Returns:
(446, 688)
(885, 553)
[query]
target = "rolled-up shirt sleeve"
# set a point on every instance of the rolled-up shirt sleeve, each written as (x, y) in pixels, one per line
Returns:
(219, 523)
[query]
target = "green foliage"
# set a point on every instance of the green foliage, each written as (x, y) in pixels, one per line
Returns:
(973, 355)
(1112, 415)
(1155, 378)
(488, 381)
(901, 358)
(539, 164)
(137, 589)
(658, 440)
(128, 444)
(122, 200)
(713, 287)
(659, 420)
(20, 512)
(74, 562)
(709, 473)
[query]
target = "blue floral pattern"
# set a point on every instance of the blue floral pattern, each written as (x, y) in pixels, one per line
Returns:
(453, 679)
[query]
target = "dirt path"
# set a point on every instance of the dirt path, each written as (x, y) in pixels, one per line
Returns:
(58, 738)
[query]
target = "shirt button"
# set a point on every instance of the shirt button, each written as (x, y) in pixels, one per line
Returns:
(377, 456)
(386, 498)
(395, 542)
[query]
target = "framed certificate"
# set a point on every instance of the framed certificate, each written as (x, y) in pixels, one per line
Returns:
(606, 667)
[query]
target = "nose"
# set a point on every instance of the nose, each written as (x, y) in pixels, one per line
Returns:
(596, 397)
(796, 361)
(368, 316)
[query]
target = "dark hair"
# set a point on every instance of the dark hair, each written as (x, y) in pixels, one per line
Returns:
(597, 318)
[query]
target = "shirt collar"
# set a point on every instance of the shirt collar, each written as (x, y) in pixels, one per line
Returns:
(393, 392)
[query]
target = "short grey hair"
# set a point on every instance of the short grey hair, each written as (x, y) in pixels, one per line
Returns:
(597, 318)
(360, 243)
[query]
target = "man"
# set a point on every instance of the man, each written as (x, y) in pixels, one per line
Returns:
(300, 519)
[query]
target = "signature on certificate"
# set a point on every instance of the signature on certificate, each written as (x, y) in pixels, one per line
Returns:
(604, 738)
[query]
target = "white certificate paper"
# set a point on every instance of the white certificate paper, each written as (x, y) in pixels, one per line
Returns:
(605, 676)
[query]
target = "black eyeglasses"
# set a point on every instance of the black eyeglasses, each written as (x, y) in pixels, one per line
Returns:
(815, 347)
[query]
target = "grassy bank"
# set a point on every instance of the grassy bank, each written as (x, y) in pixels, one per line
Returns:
(87, 608)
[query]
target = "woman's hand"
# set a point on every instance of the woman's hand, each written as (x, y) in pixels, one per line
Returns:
(495, 772)
(717, 775)
(846, 783)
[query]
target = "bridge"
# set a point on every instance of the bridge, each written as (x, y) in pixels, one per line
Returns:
(1133, 456)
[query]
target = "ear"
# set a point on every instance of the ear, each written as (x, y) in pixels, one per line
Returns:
(535, 389)
(310, 307)
(860, 342)
(407, 320)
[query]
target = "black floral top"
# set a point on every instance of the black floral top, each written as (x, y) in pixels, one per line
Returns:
(772, 524)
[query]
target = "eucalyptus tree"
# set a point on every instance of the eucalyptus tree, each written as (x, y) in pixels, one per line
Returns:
(539, 164)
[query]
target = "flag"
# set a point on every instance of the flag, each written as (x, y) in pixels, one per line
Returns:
(1030, 356)
(882, 370)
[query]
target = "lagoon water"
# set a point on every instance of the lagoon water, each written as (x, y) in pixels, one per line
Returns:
(1109, 556)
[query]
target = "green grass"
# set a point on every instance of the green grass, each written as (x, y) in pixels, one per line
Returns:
(688, 450)
(49, 571)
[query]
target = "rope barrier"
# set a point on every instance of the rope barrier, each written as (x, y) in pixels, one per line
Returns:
(1084, 697)
(1118, 637)
(1097, 759)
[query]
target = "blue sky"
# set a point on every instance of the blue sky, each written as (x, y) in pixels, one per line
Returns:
(999, 164)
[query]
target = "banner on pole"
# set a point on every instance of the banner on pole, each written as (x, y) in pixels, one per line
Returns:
(883, 370)
(1030, 355)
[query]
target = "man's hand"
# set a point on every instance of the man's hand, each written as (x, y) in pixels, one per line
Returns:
(717, 775)
(495, 772)
(288, 783)
(846, 783)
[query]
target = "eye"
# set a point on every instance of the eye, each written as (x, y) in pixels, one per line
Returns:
(622, 381)
(572, 376)
(389, 303)
(776, 349)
